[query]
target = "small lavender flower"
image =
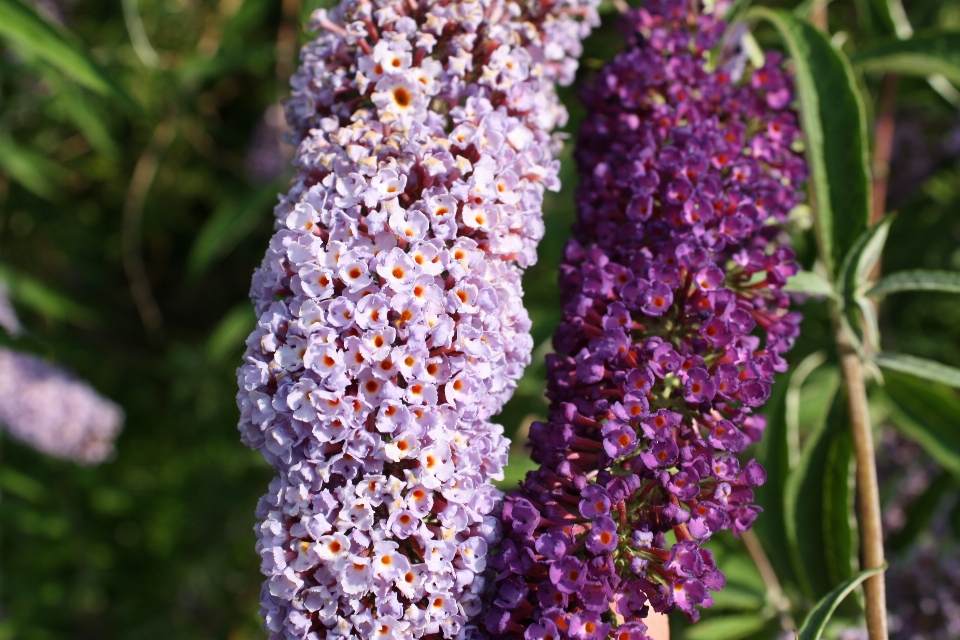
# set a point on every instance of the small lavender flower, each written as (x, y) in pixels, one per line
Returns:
(391, 325)
(675, 273)
(54, 412)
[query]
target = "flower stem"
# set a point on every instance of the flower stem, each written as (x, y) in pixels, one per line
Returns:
(868, 493)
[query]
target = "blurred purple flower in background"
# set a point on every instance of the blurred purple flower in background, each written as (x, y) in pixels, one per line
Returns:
(54, 412)
(674, 323)
(391, 325)
(269, 156)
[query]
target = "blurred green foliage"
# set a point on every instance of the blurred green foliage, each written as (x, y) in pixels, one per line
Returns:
(133, 209)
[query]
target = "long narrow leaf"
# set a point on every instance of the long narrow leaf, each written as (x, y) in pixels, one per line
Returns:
(810, 283)
(927, 414)
(50, 304)
(33, 170)
(229, 224)
(922, 55)
(818, 506)
(920, 367)
(775, 456)
(23, 26)
(917, 280)
(834, 124)
(812, 628)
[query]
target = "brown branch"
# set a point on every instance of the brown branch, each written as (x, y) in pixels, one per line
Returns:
(868, 492)
(818, 15)
(132, 238)
(883, 145)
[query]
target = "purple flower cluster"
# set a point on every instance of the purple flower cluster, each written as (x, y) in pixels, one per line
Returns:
(55, 412)
(391, 325)
(673, 324)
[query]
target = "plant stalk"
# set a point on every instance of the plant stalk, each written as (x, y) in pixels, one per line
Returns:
(868, 491)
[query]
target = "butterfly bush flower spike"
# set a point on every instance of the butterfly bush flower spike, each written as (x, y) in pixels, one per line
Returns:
(674, 322)
(54, 412)
(391, 325)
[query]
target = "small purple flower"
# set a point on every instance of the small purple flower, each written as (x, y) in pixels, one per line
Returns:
(523, 515)
(596, 501)
(619, 439)
(568, 574)
(603, 537)
(699, 387)
(656, 299)
(587, 625)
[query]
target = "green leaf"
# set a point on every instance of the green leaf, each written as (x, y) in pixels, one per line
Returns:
(23, 26)
(812, 628)
(818, 505)
(45, 301)
(927, 414)
(810, 283)
(230, 223)
(922, 55)
(834, 124)
(920, 512)
(33, 170)
(920, 367)
(917, 280)
(726, 627)
(79, 109)
(862, 258)
(774, 455)
(229, 334)
(16, 483)
(855, 272)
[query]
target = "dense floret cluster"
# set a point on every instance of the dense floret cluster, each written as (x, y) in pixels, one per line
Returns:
(55, 412)
(674, 322)
(391, 326)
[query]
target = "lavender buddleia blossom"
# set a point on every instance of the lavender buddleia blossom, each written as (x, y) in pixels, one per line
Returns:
(55, 412)
(391, 326)
(673, 324)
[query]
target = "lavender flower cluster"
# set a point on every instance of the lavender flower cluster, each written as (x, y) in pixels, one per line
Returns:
(55, 412)
(674, 276)
(390, 319)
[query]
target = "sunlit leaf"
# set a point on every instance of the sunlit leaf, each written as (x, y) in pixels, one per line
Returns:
(816, 621)
(926, 413)
(920, 367)
(33, 170)
(810, 283)
(855, 272)
(834, 124)
(921, 55)
(863, 257)
(22, 25)
(917, 280)
(728, 627)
